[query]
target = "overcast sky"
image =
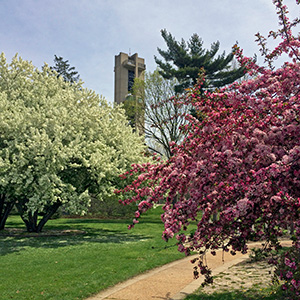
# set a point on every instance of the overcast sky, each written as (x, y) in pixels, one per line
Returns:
(89, 33)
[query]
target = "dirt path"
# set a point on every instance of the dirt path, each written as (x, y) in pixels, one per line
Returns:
(172, 281)
(175, 280)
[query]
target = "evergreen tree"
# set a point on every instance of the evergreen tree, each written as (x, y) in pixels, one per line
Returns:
(185, 60)
(63, 68)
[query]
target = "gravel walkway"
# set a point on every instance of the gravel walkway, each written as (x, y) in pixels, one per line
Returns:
(175, 280)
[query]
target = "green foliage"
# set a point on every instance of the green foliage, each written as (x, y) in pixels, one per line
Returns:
(63, 68)
(185, 60)
(110, 208)
(258, 254)
(130, 107)
(287, 272)
(134, 110)
(261, 293)
(60, 144)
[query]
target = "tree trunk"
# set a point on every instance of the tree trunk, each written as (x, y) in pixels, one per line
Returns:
(5, 209)
(28, 218)
(49, 213)
(215, 217)
(292, 228)
(31, 219)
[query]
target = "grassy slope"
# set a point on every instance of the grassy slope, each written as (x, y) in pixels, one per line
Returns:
(74, 267)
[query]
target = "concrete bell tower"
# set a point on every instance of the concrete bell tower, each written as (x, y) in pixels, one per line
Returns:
(127, 67)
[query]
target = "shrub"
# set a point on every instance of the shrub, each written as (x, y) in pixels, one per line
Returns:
(287, 273)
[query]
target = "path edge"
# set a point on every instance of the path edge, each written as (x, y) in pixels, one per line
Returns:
(193, 286)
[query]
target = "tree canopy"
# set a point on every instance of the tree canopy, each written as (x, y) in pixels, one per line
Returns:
(163, 116)
(185, 60)
(241, 162)
(60, 144)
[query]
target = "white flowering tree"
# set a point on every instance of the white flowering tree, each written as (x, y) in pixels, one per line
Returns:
(60, 144)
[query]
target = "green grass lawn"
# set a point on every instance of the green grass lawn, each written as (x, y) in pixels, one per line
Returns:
(255, 293)
(76, 266)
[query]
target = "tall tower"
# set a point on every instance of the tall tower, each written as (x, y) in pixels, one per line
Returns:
(126, 69)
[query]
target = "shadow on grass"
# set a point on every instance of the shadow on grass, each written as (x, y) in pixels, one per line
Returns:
(102, 231)
(142, 220)
(10, 244)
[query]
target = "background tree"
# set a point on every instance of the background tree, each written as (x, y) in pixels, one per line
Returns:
(60, 144)
(63, 68)
(162, 113)
(184, 60)
(154, 98)
(134, 109)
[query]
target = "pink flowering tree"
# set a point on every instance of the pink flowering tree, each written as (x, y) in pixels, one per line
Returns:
(237, 174)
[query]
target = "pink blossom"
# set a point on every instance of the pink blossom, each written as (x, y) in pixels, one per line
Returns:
(237, 174)
(243, 205)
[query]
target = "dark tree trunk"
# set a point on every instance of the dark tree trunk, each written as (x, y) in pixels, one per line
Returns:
(28, 218)
(5, 209)
(215, 217)
(292, 228)
(32, 222)
(31, 219)
(49, 213)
